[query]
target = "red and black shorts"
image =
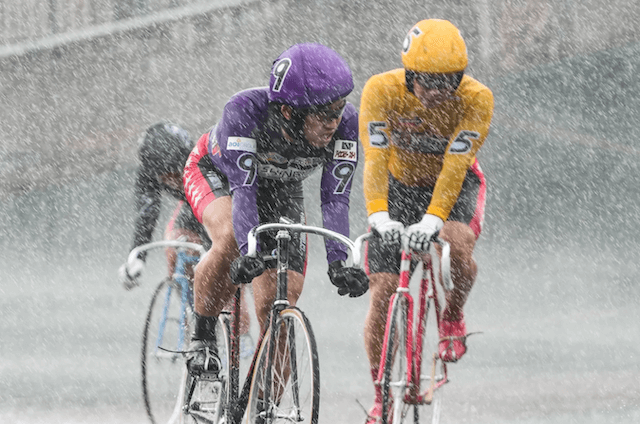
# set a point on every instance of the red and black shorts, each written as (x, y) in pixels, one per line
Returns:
(408, 205)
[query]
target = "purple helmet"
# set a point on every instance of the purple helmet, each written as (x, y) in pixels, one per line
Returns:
(309, 74)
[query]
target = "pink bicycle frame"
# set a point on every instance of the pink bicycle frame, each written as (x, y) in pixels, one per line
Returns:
(428, 290)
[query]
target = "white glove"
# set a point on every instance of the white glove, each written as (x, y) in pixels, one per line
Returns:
(389, 230)
(129, 274)
(421, 233)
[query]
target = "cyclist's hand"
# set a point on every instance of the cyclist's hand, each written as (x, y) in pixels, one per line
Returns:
(423, 232)
(129, 274)
(245, 268)
(388, 229)
(349, 280)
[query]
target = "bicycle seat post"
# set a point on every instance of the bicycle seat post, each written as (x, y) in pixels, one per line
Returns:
(283, 237)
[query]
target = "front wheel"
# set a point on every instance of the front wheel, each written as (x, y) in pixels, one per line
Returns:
(285, 387)
(166, 331)
(433, 373)
(395, 374)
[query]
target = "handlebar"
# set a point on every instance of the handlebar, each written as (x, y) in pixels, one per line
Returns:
(163, 243)
(355, 247)
(253, 242)
(444, 263)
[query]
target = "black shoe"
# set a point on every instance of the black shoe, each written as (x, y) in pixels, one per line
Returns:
(202, 357)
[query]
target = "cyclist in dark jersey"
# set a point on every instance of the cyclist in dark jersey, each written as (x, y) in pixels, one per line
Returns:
(249, 168)
(163, 150)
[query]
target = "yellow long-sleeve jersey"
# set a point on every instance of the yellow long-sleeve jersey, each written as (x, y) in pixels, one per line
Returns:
(419, 146)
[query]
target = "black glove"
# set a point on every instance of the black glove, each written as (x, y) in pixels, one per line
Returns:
(245, 268)
(348, 280)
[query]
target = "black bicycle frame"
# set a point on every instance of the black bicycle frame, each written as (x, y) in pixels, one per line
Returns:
(239, 404)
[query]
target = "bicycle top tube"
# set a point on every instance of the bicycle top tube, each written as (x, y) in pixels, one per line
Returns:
(253, 241)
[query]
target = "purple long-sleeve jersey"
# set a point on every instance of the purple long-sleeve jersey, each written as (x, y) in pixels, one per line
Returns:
(236, 150)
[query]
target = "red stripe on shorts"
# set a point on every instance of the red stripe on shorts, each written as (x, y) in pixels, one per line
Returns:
(196, 188)
(478, 217)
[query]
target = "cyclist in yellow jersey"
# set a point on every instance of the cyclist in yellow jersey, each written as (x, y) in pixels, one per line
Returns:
(421, 127)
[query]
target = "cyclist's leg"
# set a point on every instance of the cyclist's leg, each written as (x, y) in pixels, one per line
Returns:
(383, 263)
(213, 286)
(264, 292)
(180, 227)
(245, 318)
(381, 286)
(461, 231)
(185, 224)
(290, 204)
(463, 267)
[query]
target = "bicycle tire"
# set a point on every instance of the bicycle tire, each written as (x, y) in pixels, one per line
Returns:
(394, 376)
(293, 381)
(207, 400)
(162, 370)
(432, 369)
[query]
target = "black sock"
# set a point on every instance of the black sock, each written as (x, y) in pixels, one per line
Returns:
(205, 328)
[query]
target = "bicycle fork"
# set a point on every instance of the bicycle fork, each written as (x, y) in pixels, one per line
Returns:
(402, 293)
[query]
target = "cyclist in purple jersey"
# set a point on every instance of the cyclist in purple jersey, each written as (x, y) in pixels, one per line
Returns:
(249, 170)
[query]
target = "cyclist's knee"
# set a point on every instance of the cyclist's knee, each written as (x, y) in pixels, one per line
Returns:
(382, 285)
(461, 239)
(294, 289)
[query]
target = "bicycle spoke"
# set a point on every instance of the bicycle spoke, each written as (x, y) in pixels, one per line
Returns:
(294, 376)
(162, 368)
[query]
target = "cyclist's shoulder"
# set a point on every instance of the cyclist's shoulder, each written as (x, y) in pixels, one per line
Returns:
(348, 128)
(247, 105)
(472, 91)
(392, 81)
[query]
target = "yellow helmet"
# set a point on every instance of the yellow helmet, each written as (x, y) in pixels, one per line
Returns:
(434, 46)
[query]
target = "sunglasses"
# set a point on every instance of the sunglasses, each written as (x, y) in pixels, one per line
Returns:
(438, 81)
(326, 114)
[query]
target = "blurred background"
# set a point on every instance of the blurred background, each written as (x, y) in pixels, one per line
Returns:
(557, 293)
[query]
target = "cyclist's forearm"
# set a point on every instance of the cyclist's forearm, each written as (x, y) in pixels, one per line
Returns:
(245, 215)
(336, 218)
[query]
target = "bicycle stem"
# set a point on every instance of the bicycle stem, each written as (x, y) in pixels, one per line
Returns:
(283, 237)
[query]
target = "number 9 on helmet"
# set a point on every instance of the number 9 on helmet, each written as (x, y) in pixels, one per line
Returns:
(307, 75)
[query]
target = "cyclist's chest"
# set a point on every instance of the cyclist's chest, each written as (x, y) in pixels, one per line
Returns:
(280, 160)
(420, 130)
